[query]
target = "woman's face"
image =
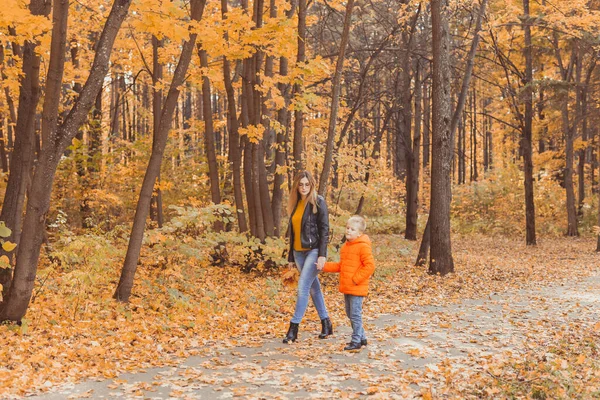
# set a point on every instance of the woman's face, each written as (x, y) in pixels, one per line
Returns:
(304, 187)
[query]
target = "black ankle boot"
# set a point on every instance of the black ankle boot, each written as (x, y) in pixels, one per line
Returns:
(326, 328)
(292, 333)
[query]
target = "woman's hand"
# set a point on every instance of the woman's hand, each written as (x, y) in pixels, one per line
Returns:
(321, 263)
(291, 265)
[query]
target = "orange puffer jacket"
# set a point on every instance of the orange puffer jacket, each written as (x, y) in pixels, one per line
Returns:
(355, 267)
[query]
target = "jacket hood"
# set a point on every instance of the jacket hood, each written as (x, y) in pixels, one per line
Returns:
(361, 239)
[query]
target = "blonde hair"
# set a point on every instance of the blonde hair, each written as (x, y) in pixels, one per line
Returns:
(295, 195)
(359, 222)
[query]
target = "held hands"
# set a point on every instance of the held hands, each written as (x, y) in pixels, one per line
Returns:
(321, 263)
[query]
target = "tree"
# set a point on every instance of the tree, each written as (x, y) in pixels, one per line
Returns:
(335, 98)
(235, 157)
(23, 153)
(123, 290)
(440, 260)
(427, 237)
(17, 300)
(526, 141)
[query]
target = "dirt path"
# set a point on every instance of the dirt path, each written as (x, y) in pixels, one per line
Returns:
(408, 355)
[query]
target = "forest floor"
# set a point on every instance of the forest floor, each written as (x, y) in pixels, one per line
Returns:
(511, 322)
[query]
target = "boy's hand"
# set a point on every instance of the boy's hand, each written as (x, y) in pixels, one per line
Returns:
(321, 263)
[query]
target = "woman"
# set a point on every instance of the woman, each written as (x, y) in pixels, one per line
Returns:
(309, 234)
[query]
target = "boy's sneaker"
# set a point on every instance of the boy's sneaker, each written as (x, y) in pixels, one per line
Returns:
(363, 342)
(353, 346)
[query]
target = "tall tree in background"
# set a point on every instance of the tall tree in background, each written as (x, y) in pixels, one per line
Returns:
(441, 260)
(456, 116)
(157, 103)
(335, 100)
(123, 290)
(298, 87)
(235, 153)
(526, 140)
(568, 127)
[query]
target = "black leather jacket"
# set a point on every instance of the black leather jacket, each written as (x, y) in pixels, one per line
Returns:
(314, 233)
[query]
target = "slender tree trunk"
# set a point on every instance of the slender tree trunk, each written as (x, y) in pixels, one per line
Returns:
(486, 136)
(571, 210)
(577, 130)
(283, 117)
(543, 136)
(209, 136)
(474, 133)
(11, 118)
(12, 112)
(569, 137)
(263, 193)
(157, 104)
(3, 152)
(526, 141)
(125, 285)
(413, 165)
(234, 139)
(598, 192)
(462, 144)
(17, 300)
(375, 154)
(298, 112)
(335, 99)
(426, 124)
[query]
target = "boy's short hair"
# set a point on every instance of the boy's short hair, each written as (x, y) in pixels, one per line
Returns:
(359, 222)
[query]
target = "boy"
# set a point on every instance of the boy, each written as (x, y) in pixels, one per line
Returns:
(355, 267)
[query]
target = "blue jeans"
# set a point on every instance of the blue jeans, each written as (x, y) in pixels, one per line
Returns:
(354, 312)
(308, 283)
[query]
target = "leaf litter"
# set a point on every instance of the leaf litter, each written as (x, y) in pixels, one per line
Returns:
(505, 324)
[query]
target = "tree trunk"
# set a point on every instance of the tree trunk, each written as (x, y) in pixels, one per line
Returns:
(11, 118)
(263, 195)
(21, 162)
(283, 117)
(209, 136)
(474, 134)
(298, 112)
(234, 139)
(375, 154)
(457, 111)
(598, 241)
(12, 113)
(413, 165)
(17, 300)
(424, 247)
(157, 104)
(442, 143)
(568, 135)
(426, 124)
(335, 99)
(125, 285)
(526, 141)
(570, 191)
